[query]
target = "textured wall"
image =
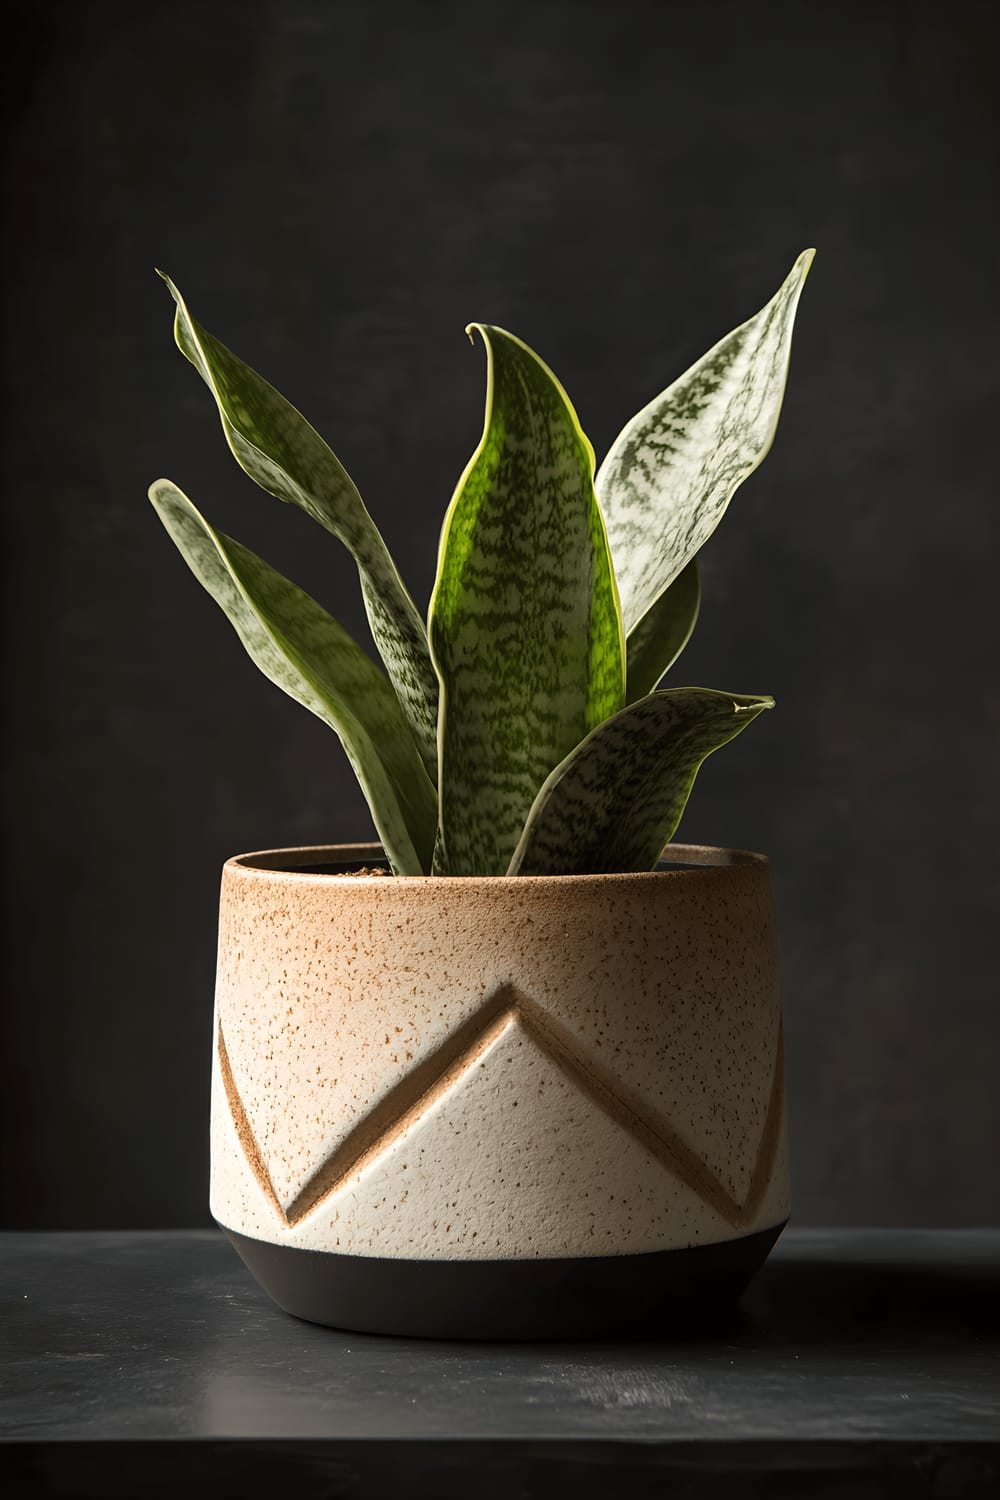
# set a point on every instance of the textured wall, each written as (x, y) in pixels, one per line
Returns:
(339, 189)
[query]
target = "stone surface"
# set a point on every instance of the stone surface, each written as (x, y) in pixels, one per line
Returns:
(860, 1362)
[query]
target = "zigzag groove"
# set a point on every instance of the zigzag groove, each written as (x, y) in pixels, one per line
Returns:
(458, 1054)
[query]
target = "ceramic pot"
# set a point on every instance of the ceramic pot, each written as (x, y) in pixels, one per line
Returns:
(498, 1107)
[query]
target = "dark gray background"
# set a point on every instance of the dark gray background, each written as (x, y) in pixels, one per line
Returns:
(339, 189)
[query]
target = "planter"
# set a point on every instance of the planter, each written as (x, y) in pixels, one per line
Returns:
(498, 1107)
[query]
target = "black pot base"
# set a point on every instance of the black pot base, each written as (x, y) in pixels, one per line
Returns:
(581, 1297)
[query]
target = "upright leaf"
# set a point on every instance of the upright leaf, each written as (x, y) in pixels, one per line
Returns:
(524, 622)
(277, 447)
(308, 655)
(662, 633)
(617, 799)
(672, 471)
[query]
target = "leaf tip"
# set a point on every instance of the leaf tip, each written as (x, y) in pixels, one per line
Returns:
(754, 705)
(171, 288)
(804, 262)
(165, 495)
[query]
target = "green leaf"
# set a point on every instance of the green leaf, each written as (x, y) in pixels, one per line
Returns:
(280, 451)
(308, 655)
(617, 799)
(662, 633)
(525, 628)
(672, 471)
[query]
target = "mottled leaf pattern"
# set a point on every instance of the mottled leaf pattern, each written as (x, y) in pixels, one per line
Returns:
(277, 447)
(528, 699)
(674, 468)
(662, 633)
(524, 623)
(305, 652)
(617, 799)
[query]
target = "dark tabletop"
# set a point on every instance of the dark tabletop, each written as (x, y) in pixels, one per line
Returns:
(863, 1362)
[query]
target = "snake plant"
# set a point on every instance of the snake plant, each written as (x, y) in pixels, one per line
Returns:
(521, 729)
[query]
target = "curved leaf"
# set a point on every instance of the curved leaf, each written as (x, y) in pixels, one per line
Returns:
(616, 801)
(525, 628)
(287, 457)
(672, 471)
(662, 633)
(308, 655)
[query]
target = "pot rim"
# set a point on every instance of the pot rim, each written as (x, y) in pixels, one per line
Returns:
(710, 859)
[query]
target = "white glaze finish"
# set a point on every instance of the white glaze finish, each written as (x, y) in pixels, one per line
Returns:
(332, 990)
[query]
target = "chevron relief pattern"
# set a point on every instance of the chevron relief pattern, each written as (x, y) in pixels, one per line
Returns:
(412, 1097)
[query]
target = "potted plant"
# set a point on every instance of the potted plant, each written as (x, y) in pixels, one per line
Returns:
(516, 1070)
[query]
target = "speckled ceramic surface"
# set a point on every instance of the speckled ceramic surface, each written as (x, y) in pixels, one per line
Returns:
(492, 1069)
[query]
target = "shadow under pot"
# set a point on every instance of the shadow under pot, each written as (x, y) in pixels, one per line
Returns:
(498, 1107)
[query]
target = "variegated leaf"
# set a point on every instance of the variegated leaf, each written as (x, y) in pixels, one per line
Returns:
(662, 633)
(308, 655)
(617, 799)
(287, 457)
(524, 622)
(672, 471)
